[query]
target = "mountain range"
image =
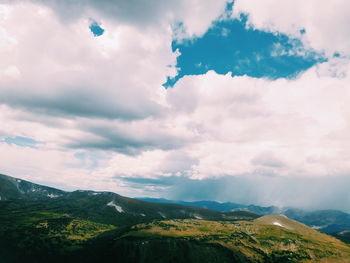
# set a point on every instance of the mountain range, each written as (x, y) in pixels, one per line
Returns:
(327, 221)
(44, 224)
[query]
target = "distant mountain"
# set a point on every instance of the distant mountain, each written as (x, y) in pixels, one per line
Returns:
(217, 206)
(212, 205)
(327, 221)
(343, 235)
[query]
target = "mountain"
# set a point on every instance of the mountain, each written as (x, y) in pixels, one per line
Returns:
(217, 206)
(40, 222)
(343, 235)
(14, 188)
(50, 225)
(272, 238)
(327, 221)
(212, 205)
(105, 207)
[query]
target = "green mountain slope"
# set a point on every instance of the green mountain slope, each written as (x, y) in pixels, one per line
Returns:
(15, 188)
(32, 236)
(271, 238)
(343, 235)
(40, 223)
(326, 221)
(50, 225)
(103, 207)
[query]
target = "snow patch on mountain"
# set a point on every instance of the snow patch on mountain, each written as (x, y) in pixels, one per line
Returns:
(319, 227)
(277, 224)
(162, 215)
(53, 196)
(197, 217)
(117, 207)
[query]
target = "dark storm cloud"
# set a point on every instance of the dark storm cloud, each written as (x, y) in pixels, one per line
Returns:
(137, 12)
(124, 137)
(81, 102)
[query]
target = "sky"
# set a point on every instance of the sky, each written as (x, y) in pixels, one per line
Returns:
(244, 101)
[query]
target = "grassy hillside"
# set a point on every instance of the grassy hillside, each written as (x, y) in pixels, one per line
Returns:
(271, 238)
(41, 224)
(39, 235)
(326, 221)
(46, 236)
(61, 231)
(103, 207)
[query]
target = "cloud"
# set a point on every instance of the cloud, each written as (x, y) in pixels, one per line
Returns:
(266, 159)
(325, 29)
(129, 137)
(77, 75)
(196, 15)
(244, 125)
(98, 105)
(294, 120)
(302, 192)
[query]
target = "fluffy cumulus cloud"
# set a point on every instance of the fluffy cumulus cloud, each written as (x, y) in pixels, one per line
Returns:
(102, 119)
(324, 22)
(245, 126)
(75, 92)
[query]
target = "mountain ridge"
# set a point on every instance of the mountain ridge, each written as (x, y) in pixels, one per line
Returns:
(116, 208)
(328, 221)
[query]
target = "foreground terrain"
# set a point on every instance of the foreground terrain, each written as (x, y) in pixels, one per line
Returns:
(272, 238)
(43, 224)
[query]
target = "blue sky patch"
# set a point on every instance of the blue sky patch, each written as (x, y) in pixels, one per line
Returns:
(230, 45)
(21, 141)
(96, 29)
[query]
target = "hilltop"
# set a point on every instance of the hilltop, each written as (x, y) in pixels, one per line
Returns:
(271, 238)
(334, 222)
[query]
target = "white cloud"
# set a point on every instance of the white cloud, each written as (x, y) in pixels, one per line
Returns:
(149, 164)
(196, 15)
(326, 22)
(246, 126)
(12, 72)
(295, 120)
(60, 85)
(70, 72)
(77, 93)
